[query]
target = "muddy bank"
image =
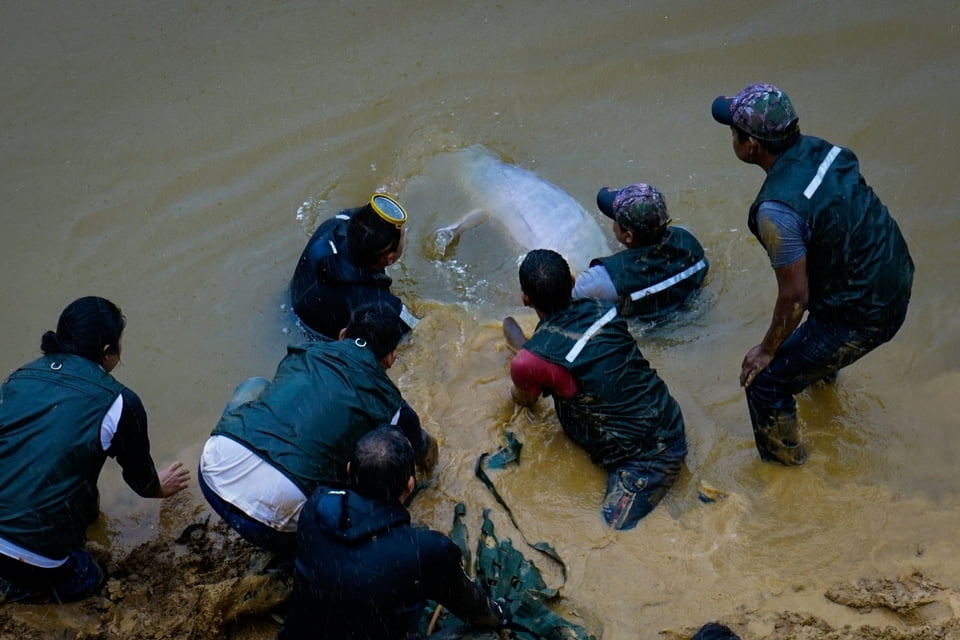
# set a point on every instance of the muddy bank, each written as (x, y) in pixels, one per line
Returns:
(207, 584)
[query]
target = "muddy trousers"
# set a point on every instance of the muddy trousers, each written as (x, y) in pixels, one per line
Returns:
(815, 351)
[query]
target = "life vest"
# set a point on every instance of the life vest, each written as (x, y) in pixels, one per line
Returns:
(858, 266)
(324, 397)
(51, 411)
(622, 409)
(652, 281)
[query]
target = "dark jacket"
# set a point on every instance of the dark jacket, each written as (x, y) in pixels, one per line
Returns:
(327, 285)
(324, 397)
(363, 572)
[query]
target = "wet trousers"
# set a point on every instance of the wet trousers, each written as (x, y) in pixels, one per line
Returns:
(636, 486)
(816, 350)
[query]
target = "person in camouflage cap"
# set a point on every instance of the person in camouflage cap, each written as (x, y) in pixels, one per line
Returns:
(662, 267)
(837, 254)
(761, 110)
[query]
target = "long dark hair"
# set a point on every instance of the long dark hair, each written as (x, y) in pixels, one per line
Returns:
(86, 327)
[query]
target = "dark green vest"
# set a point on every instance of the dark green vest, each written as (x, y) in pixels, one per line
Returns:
(858, 266)
(655, 280)
(324, 397)
(51, 411)
(622, 409)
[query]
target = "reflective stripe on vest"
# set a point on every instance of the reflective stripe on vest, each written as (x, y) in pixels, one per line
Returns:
(669, 282)
(596, 326)
(821, 171)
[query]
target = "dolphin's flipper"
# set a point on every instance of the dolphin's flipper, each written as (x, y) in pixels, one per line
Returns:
(444, 237)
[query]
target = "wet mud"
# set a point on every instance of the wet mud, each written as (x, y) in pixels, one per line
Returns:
(209, 584)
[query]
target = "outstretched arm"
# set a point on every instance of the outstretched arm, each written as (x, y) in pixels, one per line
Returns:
(131, 448)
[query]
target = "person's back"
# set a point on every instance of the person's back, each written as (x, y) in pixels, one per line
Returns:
(857, 261)
(323, 398)
(604, 416)
(660, 270)
(61, 417)
(51, 412)
(343, 266)
(362, 571)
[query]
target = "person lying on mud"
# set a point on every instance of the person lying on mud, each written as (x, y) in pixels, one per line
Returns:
(837, 254)
(607, 398)
(362, 570)
(278, 441)
(61, 417)
(344, 266)
(660, 270)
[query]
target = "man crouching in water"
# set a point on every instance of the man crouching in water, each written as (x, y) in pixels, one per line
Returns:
(607, 397)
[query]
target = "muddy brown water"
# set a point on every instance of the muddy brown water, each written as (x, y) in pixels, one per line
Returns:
(174, 157)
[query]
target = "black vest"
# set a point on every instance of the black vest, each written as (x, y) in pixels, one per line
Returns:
(655, 280)
(622, 408)
(51, 411)
(858, 266)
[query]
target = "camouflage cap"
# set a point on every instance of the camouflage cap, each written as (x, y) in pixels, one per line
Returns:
(637, 207)
(762, 110)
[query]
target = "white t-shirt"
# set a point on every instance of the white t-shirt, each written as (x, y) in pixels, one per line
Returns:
(251, 484)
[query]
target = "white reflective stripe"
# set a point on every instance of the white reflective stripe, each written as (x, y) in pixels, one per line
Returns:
(596, 326)
(669, 282)
(333, 247)
(17, 552)
(821, 171)
(408, 317)
(341, 216)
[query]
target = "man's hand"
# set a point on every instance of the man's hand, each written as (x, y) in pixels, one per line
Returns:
(173, 479)
(754, 362)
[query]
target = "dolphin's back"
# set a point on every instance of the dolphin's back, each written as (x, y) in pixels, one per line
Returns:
(536, 213)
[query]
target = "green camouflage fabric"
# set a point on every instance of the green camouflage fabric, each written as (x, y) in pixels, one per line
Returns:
(764, 111)
(640, 208)
(515, 581)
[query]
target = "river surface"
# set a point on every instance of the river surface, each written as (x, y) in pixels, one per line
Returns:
(175, 156)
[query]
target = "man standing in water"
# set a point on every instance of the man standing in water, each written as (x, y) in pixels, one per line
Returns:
(608, 399)
(836, 252)
(344, 266)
